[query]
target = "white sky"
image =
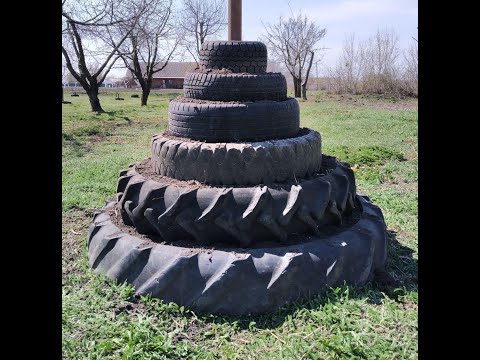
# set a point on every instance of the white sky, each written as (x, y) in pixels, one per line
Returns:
(339, 17)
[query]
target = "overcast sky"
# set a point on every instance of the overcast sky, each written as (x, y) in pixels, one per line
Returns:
(339, 17)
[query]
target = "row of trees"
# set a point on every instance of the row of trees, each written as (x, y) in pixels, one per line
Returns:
(142, 34)
(376, 65)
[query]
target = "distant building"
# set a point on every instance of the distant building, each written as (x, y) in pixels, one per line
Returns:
(172, 75)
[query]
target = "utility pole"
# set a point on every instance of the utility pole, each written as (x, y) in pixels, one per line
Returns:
(235, 20)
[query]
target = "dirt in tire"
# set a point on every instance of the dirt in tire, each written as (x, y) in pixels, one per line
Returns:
(241, 215)
(239, 281)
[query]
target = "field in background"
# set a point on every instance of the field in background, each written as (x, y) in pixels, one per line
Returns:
(103, 320)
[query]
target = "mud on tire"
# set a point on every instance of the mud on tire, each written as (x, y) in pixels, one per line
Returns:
(236, 215)
(239, 281)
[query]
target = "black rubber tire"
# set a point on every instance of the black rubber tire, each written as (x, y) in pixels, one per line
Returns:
(235, 87)
(234, 122)
(239, 281)
(239, 215)
(238, 164)
(237, 56)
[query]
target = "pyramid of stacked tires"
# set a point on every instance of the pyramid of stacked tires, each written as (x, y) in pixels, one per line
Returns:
(237, 211)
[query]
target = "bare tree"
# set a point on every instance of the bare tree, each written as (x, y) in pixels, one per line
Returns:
(150, 44)
(87, 56)
(381, 68)
(411, 69)
(370, 66)
(293, 42)
(201, 19)
(346, 76)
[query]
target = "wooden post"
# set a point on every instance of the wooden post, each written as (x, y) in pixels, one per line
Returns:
(235, 20)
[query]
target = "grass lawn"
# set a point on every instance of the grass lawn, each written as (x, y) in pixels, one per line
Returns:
(104, 320)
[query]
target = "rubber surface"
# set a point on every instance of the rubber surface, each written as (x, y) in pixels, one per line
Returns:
(239, 281)
(238, 164)
(235, 87)
(234, 122)
(237, 56)
(239, 215)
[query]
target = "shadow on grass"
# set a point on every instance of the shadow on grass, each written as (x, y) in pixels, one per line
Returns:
(399, 278)
(117, 113)
(73, 144)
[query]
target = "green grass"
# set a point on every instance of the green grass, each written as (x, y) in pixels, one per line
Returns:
(104, 320)
(366, 155)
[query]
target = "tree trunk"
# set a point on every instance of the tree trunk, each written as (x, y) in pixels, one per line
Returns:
(304, 85)
(146, 87)
(94, 101)
(145, 93)
(297, 86)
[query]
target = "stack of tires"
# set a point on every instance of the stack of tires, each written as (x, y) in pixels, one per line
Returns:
(231, 97)
(239, 126)
(238, 212)
(236, 132)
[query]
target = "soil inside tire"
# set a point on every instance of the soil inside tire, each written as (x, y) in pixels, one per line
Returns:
(324, 232)
(145, 169)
